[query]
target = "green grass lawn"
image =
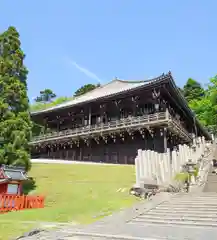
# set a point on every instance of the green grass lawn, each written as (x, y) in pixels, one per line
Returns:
(74, 193)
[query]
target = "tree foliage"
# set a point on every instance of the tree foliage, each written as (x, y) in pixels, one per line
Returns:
(192, 90)
(203, 102)
(84, 89)
(15, 122)
(45, 96)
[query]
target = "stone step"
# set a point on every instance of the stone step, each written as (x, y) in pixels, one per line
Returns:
(196, 202)
(178, 218)
(210, 187)
(196, 196)
(154, 232)
(168, 209)
(182, 214)
(174, 222)
(98, 236)
(191, 205)
(192, 200)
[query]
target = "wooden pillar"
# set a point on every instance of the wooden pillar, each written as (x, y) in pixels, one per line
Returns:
(165, 139)
(89, 117)
(101, 113)
(118, 110)
(45, 124)
(80, 153)
(58, 123)
(135, 105)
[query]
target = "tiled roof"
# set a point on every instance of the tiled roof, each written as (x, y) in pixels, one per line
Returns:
(14, 173)
(112, 88)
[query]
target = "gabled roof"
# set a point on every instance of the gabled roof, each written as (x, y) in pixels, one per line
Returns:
(14, 173)
(112, 88)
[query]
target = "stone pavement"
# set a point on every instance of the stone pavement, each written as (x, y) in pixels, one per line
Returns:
(182, 216)
(211, 184)
(191, 216)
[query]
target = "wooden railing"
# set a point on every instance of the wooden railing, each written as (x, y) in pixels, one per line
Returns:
(15, 203)
(132, 122)
(106, 127)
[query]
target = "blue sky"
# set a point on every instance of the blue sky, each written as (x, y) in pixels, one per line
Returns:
(69, 43)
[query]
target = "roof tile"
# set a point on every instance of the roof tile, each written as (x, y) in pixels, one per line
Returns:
(114, 87)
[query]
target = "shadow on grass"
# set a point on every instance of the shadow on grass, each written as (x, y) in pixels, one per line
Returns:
(29, 185)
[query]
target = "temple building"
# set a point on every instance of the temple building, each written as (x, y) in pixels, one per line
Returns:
(111, 122)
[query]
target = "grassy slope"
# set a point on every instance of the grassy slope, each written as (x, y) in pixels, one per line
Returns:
(74, 193)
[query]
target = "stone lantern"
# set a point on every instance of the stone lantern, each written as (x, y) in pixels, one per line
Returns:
(190, 168)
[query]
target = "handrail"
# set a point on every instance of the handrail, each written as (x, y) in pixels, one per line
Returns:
(124, 122)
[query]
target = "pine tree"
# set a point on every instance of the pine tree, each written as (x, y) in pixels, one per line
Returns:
(15, 121)
(85, 89)
(46, 96)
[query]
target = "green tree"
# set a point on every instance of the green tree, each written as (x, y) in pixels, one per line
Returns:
(212, 89)
(86, 88)
(206, 107)
(192, 90)
(15, 122)
(46, 96)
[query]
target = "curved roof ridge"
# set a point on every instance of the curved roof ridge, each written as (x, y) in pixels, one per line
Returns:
(100, 86)
(114, 87)
(130, 81)
(145, 81)
(93, 90)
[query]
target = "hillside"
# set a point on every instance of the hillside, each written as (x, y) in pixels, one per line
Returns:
(75, 193)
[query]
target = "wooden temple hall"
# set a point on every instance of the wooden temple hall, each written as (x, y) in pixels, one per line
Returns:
(110, 123)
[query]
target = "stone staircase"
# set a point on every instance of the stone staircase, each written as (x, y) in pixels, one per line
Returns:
(184, 216)
(181, 216)
(211, 185)
(197, 210)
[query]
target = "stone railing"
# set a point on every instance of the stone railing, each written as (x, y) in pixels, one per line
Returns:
(161, 168)
(204, 167)
(133, 122)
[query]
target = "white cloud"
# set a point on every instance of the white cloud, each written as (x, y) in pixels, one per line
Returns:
(84, 70)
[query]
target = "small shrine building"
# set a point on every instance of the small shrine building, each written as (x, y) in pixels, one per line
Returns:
(11, 179)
